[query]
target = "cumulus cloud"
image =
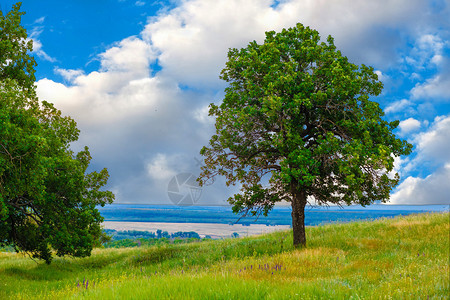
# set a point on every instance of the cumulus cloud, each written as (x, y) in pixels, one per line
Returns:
(398, 106)
(431, 151)
(68, 75)
(134, 123)
(434, 144)
(162, 167)
(193, 38)
(408, 126)
(432, 52)
(427, 66)
(366, 32)
(129, 55)
(436, 88)
(202, 116)
(427, 50)
(433, 189)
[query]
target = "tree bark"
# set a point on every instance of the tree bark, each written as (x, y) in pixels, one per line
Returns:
(298, 217)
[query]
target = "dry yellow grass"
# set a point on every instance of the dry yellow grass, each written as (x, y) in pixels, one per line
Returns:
(409, 223)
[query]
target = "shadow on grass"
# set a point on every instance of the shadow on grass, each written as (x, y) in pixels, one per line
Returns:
(41, 272)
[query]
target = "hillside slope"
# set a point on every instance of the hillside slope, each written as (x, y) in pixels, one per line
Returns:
(399, 258)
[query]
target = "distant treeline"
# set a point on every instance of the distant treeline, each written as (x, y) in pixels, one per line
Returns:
(135, 234)
(135, 238)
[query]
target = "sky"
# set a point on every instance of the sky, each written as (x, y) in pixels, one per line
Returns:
(138, 76)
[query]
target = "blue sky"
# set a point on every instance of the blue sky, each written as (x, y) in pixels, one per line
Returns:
(138, 77)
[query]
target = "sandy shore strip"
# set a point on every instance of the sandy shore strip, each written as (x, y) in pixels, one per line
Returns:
(203, 229)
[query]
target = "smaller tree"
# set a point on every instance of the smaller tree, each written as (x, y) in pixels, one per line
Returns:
(47, 199)
(297, 123)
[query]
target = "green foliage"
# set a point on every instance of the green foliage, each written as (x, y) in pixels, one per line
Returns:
(14, 47)
(398, 258)
(297, 122)
(134, 238)
(47, 200)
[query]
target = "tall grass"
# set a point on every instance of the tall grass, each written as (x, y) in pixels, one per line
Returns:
(400, 258)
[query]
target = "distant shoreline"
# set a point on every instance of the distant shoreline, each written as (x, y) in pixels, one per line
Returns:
(212, 229)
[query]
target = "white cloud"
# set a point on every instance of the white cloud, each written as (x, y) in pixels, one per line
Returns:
(69, 75)
(162, 167)
(128, 117)
(37, 45)
(37, 48)
(399, 106)
(202, 116)
(39, 20)
(106, 99)
(434, 144)
(408, 126)
(193, 39)
(431, 150)
(415, 76)
(433, 189)
(121, 89)
(129, 55)
(428, 50)
(436, 88)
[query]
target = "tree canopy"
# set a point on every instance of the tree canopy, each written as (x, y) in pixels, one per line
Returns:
(47, 198)
(297, 124)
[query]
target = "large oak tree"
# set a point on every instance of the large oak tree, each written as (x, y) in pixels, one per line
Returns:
(47, 199)
(297, 124)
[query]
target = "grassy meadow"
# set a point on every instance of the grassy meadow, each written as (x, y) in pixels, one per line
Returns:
(398, 258)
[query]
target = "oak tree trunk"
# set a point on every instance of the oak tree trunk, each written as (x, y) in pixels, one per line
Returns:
(298, 218)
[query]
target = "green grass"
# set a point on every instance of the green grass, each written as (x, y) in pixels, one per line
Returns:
(400, 258)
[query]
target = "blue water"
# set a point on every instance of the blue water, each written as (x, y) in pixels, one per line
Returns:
(278, 216)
